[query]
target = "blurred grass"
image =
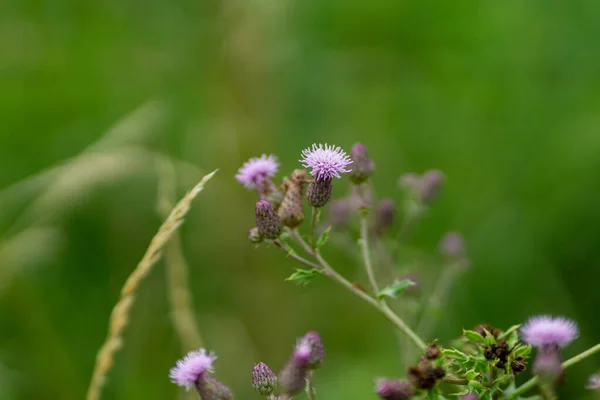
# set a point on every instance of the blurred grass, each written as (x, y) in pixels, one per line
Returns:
(502, 96)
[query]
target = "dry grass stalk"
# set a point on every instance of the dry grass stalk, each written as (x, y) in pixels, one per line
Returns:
(120, 314)
(180, 298)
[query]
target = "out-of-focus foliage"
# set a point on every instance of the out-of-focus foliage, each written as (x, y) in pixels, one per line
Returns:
(501, 96)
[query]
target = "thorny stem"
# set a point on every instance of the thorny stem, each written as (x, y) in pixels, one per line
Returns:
(310, 388)
(333, 274)
(571, 361)
(364, 244)
(292, 253)
(313, 225)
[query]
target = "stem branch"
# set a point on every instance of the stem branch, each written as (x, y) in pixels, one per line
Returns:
(364, 244)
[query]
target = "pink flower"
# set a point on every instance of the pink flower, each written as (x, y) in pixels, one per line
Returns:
(254, 171)
(326, 161)
(544, 330)
(190, 368)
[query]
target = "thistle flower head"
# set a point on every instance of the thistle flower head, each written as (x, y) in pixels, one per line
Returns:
(547, 331)
(190, 368)
(470, 396)
(254, 171)
(394, 389)
(317, 350)
(326, 161)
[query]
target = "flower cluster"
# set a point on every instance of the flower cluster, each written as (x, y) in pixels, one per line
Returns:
(483, 362)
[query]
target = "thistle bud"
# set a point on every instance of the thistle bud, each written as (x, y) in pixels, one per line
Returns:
(254, 236)
(264, 380)
(452, 247)
(339, 213)
(317, 352)
(290, 211)
(267, 220)
(394, 389)
(547, 366)
(319, 192)
(431, 185)
(385, 215)
(432, 352)
(292, 377)
(362, 166)
(209, 388)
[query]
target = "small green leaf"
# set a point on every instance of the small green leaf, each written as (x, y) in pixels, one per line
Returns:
(474, 336)
(303, 277)
(471, 374)
(474, 385)
(490, 339)
(323, 238)
(509, 331)
(455, 354)
(522, 351)
(396, 288)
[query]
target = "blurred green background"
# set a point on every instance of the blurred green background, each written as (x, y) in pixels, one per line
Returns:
(504, 97)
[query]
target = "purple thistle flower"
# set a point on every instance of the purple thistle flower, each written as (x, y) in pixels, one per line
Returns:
(326, 161)
(544, 331)
(191, 367)
(254, 171)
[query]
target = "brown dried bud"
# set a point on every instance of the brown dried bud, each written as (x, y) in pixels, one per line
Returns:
(432, 352)
(425, 376)
(290, 211)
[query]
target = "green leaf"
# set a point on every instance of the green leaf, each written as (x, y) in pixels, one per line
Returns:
(509, 331)
(455, 354)
(490, 339)
(474, 336)
(303, 277)
(474, 385)
(523, 351)
(323, 238)
(471, 374)
(396, 288)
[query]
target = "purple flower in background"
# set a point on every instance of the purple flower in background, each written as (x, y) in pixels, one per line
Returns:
(190, 368)
(326, 161)
(544, 330)
(594, 382)
(254, 171)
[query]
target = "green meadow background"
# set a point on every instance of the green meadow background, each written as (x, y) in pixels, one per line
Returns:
(503, 96)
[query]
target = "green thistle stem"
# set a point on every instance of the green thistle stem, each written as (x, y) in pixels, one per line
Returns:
(571, 361)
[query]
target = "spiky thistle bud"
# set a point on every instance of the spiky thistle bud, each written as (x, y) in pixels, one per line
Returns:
(319, 192)
(209, 388)
(385, 215)
(290, 211)
(394, 389)
(264, 380)
(268, 221)
(431, 185)
(317, 350)
(254, 235)
(425, 376)
(362, 166)
(292, 377)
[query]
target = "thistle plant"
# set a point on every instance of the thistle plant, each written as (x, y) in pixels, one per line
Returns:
(481, 363)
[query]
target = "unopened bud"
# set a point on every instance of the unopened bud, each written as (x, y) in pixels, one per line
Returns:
(319, 192)
(254, 236)
(452, 247)
(210, 388)
(339, 213)
(317, 350)
(385, 215)
(547, 366)
(431, 185)
(292, 377)
(264, 380)
(362, 166)
(267, 220)
(394, 389)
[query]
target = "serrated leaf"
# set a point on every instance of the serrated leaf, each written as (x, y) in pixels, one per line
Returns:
(323, 238)
(474, 336)
(455, 354)
(303, 277)
(395, 289)
(471, 374)
(474, 385)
